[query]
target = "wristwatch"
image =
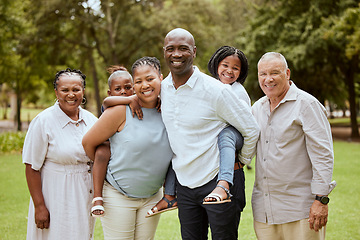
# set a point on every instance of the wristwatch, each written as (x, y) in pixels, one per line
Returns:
(323, 199)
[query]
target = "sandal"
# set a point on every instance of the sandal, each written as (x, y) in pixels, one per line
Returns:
(97, 207)
(218, 198)
(154, 211)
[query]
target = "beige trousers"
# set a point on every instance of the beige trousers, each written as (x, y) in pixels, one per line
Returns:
(298, 230)
(125, 217)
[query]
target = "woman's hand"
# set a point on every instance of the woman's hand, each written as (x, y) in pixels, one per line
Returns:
(42, 217)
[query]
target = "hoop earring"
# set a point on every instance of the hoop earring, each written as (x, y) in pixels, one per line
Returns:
(83, 101)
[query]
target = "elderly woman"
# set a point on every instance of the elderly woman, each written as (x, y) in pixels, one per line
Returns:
(58, 172)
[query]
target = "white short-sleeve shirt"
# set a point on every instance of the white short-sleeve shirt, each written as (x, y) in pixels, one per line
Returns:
(53, 136)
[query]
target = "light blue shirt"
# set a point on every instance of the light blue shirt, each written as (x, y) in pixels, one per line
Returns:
(194, 115)
(140, 155)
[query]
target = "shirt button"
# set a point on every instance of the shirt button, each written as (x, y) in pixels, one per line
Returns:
(266, 194)
(267, 141)
(90, 191)
(89, 171)
(264, 177)
(264, 159)
(88, 163)
(77, 124)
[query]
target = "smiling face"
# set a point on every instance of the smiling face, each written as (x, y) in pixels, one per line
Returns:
(274, 78)
(147, 84)
(179, 52)
(70, 93)
(121, 86)
(229, 69)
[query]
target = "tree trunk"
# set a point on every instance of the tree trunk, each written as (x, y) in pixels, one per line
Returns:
(96, 84)
(18, 110)
(352, 96)
(5, 110)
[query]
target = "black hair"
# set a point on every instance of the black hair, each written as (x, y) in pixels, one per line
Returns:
(150, 61)
(224, 52)
(69, 71)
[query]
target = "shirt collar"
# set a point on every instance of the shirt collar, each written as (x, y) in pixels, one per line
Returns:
(190, 82)
(291, 95)
(65, 119)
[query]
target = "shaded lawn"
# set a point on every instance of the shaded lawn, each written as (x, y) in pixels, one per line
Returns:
(344, 207)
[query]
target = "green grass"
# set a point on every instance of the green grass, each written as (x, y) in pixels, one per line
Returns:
(342, 122)
(27, 114)
(344, 206)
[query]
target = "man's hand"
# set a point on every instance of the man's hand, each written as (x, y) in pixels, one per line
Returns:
(318, 215)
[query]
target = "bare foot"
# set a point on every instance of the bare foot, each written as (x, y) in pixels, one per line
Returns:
(218, 190)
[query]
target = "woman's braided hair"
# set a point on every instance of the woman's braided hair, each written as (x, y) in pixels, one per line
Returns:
(224, 52)
(150, 61)
(69, 72)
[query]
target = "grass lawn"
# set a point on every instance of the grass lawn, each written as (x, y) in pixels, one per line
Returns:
(344, 206)
(342, 122)
(27, 114)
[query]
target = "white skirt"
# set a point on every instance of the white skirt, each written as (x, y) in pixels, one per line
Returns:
(67, 191)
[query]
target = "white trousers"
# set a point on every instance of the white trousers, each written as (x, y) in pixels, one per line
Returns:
(125, 217)
(298, 230)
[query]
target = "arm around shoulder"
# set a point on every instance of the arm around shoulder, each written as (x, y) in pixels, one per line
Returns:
(118, 100)
(107, 125)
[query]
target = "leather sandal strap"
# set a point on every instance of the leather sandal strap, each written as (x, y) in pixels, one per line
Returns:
(225, 189)
(170, 203)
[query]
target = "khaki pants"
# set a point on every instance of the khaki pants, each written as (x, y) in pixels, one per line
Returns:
(298, 230)
(125, 217)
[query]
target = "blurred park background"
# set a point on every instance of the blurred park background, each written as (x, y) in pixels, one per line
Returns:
(319, 38)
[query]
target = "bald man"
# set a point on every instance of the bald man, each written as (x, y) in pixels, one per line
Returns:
(195, 108)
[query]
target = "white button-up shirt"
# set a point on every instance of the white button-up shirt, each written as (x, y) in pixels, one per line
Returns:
(241, 92)
(294, 158)
(194, 115)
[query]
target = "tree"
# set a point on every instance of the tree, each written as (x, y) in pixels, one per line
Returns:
(344, 34)
(300, 30)
(15, 68)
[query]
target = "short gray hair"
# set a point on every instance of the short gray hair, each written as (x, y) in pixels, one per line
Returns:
(272, 55)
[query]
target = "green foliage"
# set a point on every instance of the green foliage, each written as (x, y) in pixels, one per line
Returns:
(11, 141)
(320, 39)
(298, 29)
